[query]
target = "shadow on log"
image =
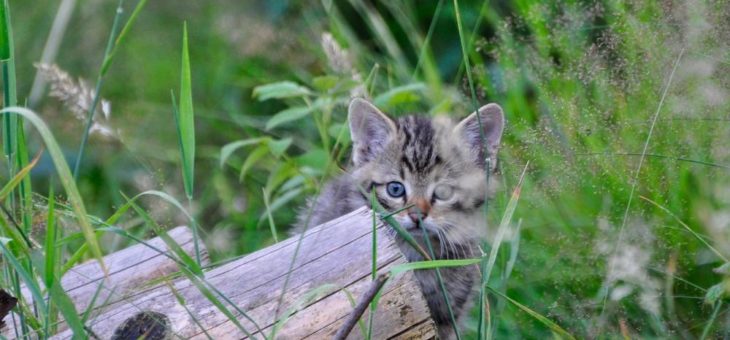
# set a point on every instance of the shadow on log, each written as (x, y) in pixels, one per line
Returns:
(333, 261)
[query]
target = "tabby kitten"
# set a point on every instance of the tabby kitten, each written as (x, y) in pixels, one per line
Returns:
(437, 167)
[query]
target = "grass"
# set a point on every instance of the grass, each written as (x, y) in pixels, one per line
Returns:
(607, 101)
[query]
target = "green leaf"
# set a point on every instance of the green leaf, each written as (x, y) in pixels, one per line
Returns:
(325, 83)
(186, 118)
(277, 147)
(284, 89)
(316, 159)
(289, 115)
(228, 149)
(251, 160)
(399, 95)
(715, 293)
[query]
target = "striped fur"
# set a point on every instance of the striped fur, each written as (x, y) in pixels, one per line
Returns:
(422, 154)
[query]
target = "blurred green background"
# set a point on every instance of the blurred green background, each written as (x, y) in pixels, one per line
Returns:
(582, 84)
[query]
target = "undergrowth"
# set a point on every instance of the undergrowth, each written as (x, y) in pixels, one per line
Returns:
(618, 227)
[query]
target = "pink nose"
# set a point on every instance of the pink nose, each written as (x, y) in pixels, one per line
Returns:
(416, 216)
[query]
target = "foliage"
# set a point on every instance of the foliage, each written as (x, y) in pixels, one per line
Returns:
(621, 226)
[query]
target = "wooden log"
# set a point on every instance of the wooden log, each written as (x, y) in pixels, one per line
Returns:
(333, 261)
(129, 270)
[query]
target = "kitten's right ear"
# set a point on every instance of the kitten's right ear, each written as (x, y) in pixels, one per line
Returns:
(370, 129)
(485, 143)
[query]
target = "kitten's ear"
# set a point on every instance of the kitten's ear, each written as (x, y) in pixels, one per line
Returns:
(492, 119)
(370, 129)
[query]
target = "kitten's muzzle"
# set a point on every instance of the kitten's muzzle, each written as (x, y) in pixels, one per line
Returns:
(419, 211)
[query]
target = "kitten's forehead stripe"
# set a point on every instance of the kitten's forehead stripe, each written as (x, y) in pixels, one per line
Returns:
(418, 138)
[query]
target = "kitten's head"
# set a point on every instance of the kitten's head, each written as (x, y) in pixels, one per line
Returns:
(436, 166)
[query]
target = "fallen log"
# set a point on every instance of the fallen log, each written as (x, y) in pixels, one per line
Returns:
(129, 270)
(282, 296)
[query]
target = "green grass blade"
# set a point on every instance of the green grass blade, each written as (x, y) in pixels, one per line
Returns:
(10, 125)
(181, 301)
(488, 265)
(97, 91)
(67, 180)
(51, 258)
(353, 304)
(304, 300)
(175, 203)
(203, 288)
(711, 322)
(92, 303)
(26, 277)
(5, 48)
(393, 223)
(504, 226)
(185, 118)
(118, 41)
(537, 316)
(433, 264)
(169, 241)
(75, 258)
(18, 178)
(686, 227)
(68, 309)
(637, 173)
(25, 190)
(272, 225)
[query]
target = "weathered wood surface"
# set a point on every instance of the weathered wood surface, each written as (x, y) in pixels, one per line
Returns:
(332, 259)
(129, 270)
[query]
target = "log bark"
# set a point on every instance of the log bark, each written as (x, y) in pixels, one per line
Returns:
(306, 297)
(129, 270)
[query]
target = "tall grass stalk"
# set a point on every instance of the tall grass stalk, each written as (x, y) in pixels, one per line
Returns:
(111, 47)
(488, 266)
(97, 90)
(635, 180)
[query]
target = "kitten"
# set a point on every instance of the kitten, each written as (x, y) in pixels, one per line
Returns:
(437, 167)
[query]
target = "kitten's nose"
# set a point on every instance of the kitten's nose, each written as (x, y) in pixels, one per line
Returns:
(416, 216)
(420, 210)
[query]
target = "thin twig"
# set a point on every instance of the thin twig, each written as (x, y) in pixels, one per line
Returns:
(361, 306)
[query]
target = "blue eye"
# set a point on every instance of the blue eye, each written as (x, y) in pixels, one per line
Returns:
(396, 189)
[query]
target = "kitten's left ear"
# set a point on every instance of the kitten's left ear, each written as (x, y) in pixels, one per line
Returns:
(492, 119)
(371, 130)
